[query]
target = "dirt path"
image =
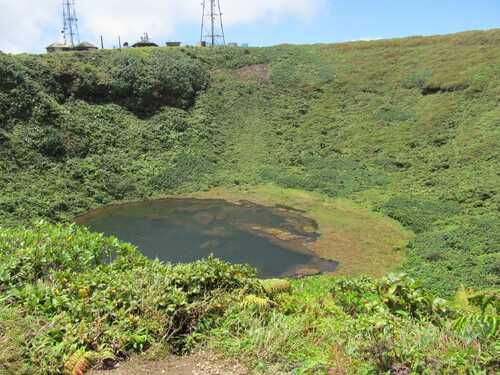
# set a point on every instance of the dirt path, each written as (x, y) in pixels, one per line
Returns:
(200, 363)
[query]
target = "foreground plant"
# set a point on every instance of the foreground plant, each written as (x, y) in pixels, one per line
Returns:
(353, 326)
(80, 292)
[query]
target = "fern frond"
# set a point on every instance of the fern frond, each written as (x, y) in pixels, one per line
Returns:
(275, 286)
(79, 362)
(258, 302)
(488, 302)
(461, 301)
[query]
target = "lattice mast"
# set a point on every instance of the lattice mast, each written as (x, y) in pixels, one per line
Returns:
(212, 30)
(70, 28)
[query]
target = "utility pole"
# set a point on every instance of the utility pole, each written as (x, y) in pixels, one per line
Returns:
(212, 30)
(70, 29)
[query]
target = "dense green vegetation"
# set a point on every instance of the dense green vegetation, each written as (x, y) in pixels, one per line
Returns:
(64, 306)
(405, 127)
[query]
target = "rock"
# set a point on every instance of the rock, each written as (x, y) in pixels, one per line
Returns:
(278, 233)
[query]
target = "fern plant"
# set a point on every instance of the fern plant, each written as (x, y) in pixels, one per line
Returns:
(79, 362)
(269, 287)
(260, 303)
(488, 302)
(480, 312)
(470, 302)
(275, 286)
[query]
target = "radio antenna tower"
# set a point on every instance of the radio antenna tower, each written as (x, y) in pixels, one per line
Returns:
(212, 31)
(70, 28)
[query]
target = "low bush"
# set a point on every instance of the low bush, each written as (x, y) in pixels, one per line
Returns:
(354, 326)
(419, 214)
(293, 66)
(417, 79)
(186, 170)
(145, 84)
(78, 290)
(393, 114)
(458, 255)
(224, 57)
(333, 176)
(69, 294)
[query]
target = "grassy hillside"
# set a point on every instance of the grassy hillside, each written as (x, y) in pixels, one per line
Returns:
(405, 127)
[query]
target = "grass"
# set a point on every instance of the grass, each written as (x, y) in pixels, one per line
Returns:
(331, 325)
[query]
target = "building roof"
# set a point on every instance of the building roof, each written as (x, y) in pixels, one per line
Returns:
(86, 45)
(57, 45)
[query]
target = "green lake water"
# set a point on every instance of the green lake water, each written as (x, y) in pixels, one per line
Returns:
(186, 230)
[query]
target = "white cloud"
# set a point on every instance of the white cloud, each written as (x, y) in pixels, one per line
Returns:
(22, 24)
(28, 26)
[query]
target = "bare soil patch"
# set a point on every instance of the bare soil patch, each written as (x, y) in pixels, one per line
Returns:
(255, 73)
(200, 363)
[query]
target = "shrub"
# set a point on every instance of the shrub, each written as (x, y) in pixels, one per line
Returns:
(65, 292)
(164, 77)
(223, 57)
(51, 143)
(131, 76)
(40, 137)
(393, 114)
(21, 91)
(93, 129)
(78, 76)
(460, 255)
(418, 79)
(419, 214)
(268, 172)
(44, 250)
(184, 169)
(119, 186)
(177, 75)
(390, 164)
(294, 66)
(335, 176)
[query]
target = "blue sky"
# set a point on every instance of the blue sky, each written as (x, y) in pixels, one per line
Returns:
(29, 26)
(340, 21)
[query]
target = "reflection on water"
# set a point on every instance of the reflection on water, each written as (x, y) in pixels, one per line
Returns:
(186, 230)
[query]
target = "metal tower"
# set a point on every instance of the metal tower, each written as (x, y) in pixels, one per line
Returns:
(212, 31)
(70, 29)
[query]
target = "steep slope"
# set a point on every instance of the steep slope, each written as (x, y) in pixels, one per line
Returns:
(407, 127)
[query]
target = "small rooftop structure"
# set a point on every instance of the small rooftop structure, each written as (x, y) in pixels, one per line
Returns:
(59, 47)
(56, 47)
(84, 46)
(145, 42)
